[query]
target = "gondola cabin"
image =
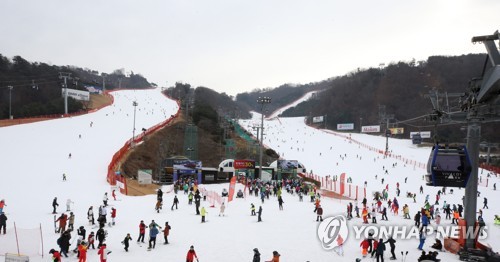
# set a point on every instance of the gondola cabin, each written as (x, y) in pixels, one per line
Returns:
(448, 166)
(416, 139)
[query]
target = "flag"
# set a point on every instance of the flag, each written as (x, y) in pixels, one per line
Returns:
(232, 185)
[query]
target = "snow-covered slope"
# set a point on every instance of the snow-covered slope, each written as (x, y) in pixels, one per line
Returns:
(34, 157)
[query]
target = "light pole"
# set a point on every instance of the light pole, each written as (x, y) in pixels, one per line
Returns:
(135, 104)
(262, 101)
(10, 101)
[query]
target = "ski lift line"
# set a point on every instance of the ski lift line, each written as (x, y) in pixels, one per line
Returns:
(31, 84)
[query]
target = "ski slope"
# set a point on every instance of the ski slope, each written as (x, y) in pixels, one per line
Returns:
(36, 155)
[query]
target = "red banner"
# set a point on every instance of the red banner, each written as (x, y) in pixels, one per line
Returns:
(232, 186)
(244, 164)
(342, 184)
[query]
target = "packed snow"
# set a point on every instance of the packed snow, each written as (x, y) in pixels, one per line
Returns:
(36, 155)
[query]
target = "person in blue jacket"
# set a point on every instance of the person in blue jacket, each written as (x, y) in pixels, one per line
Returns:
(153, 232)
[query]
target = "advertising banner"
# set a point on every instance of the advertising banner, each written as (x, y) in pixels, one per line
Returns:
(317, 119)
(342, 184)
(244, 164)
(77, 94)
(345, 126)
(187, 166)
(232, 186)
(145, 176)
(287, 166)
(397, 131)
(94, 89)
(370, 129)
(423, 134)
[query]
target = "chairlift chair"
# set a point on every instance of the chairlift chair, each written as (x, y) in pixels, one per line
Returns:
(448, 166)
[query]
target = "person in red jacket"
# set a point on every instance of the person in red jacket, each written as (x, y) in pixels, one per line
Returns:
(142, 231)
(82, 249)
(191, 255)
(319, 213)
(62, 222)
(56, 256)
(375, 245)
(113, 215)
(364, 247)
(103, 253)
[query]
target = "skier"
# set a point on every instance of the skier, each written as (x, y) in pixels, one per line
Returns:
(68, 205)
(158, 206)
(126, 241)
(56, 256)
(91, 240)
(166, 232)
(71, 221)
(176, 201)
(82, 252)
(3, 222)
(54, 205)
(319, 213)
(392, 244)
(485, 203)
(142, 231)
(191, 255)
(252, 209)
(222, 208)
(280, 202)
(101, 236)
(153, 232)
(259, 219)
(62, 222)
(105, 199)
(113, 215)
(276, 257)
(103, 253)
(203, 214)
(380, 250)
(90, 215)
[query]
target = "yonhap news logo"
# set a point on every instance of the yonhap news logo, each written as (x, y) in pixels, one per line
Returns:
(332, 232)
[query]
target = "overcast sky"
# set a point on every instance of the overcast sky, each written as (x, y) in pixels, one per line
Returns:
(234, 46)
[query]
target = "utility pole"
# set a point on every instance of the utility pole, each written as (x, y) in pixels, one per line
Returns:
(470, 198)
(65, 76)
(325, 121)
(103, 83)
(262, 101)
(10, 101)
(134, 104)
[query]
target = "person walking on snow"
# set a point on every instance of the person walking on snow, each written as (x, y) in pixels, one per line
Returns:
(142, 231)
(380, 250)
(203, 214)
(166, 232)
(485, 203)
(176, 201)
(126, 241)
(103, 253)
(90, 215)
(2, 205)
(392, 244)
(113, 194)
(68, 205)
(71, 221)
(259, 218)
(319, 213)
(191, 255)
(105, 199)
(222, 208)
(252, 209)
(3, 222)
(62, 223)
(82, 252)
(276, 257)
(340, 243)
(256, 255)
(153, 232)
(54, 205)
(280, 203)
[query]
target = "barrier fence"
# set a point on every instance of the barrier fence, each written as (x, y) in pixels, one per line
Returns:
(117, 179)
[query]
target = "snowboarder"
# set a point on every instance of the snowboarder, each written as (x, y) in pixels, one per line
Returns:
(259, 218)
(256, 255)
(126, 241)
(191, 255)
(3, 222)
(142, 231)
(54, 205)
(222, 208)
(176, 201)
(166, 232)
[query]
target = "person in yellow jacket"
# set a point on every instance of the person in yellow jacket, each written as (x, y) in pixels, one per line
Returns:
(203, 214)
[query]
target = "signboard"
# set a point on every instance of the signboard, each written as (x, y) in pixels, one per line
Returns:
(77, 94)
(185, 166)
(244, 164)
(346, 126)
(317, 119)
(423, 134)
(209, 177)
(287, 166)
(370, 129)
(94, 89)
(145, 176)
(397, 131)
